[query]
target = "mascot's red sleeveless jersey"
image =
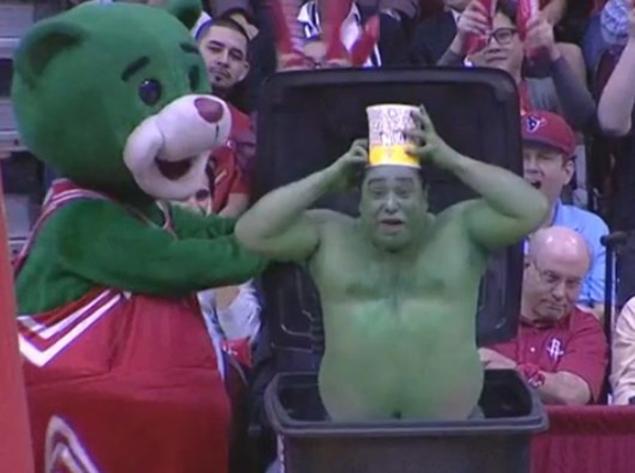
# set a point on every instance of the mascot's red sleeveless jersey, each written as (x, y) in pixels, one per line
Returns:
(122, 383)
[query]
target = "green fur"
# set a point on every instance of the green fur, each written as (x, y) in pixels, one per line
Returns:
(75, 112)
(96, 243)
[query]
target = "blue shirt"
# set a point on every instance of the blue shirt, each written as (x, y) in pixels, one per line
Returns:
(592, 228)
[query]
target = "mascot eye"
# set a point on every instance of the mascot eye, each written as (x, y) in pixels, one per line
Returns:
(194, 77)
(150, 91)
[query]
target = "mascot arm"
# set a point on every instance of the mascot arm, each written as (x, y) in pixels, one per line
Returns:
(187, 224)
(103, 243)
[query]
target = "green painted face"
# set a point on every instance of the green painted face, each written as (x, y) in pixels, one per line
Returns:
(86, 78)
(393, 205)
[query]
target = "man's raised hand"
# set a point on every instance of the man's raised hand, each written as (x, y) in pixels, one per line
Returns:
(473, 21)
(348, 168)
(427, 145)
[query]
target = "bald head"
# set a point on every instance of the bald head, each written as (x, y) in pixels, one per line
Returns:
(560, 243)
(557, 263)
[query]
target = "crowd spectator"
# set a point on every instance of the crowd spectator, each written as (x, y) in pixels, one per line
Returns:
(615, 116)
(616, 105)
(623, 363)
(378, 27)
(252, 15)
(560, 349)
(561, 92)
(223, 45)
(233, 312)
(605, 37)
(390, 48)
(435, 34)
(548, 165)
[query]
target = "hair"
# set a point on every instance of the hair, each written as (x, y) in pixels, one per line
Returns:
(508, 8)
(225, 22)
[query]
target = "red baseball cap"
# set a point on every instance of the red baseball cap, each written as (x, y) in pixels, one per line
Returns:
(548, 129)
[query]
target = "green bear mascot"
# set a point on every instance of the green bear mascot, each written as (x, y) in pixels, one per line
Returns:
(122, 373)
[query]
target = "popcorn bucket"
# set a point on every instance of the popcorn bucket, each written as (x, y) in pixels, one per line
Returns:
(387, 142)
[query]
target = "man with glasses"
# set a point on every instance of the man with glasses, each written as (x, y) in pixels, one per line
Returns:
(548, 165)
(560, 90)
(559, 349)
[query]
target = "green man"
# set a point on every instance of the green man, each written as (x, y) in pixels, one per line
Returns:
(398, 285)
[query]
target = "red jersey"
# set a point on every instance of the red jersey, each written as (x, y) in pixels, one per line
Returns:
(229, 164)
(575, 344)
(123, 383)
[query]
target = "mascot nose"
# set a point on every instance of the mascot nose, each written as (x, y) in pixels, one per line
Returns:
(210, 110)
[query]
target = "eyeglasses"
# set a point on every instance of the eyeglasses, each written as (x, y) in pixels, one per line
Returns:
(551, 279)
(503, 36)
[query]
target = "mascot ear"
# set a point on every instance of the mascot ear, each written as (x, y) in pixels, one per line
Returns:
(187, 11)
(42, 44)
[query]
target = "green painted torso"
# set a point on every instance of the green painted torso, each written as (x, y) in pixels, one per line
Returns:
(400, 331)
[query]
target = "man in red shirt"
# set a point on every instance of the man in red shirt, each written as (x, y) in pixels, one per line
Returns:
(560, 349)
(223, 44)
(229, 167)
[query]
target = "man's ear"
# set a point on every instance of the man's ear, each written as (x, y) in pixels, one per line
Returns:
(187, 11)
(569, 169)
(43, 44)
(242, 76)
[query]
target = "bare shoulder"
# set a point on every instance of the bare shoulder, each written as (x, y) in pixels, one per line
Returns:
(456, 214)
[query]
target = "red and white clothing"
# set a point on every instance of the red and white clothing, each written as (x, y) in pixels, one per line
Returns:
(575, 344)
(123, 383)
(229, 166)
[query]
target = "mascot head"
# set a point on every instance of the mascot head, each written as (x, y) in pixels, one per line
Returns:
(115, 97)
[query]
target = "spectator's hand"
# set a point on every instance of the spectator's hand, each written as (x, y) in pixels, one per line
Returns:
(540, 39)
(473, 21)
(493, 360)
(336, 63)
(349, 166)
(294, 61)
(428, 145)
(554, 11)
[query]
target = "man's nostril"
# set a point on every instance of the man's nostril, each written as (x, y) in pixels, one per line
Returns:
(210, 110)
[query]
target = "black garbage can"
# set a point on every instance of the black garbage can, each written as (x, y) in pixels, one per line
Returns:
(497, 443)
(306, 120)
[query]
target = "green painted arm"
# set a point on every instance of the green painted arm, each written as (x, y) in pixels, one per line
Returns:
(510, 208)
(97, 243)
(279, 226)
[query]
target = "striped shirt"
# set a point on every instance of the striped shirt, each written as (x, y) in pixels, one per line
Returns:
(309, 18)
